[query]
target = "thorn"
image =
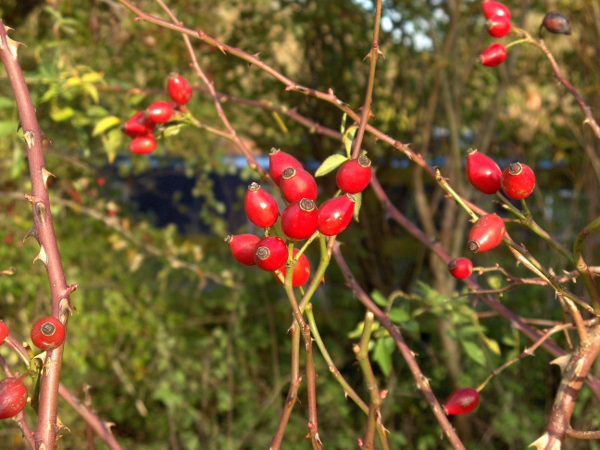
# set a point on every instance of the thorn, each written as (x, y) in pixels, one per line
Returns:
(379, 52)
(29, 138)
(46, 175)
(201, 34)
(220, 47)
(42, 256)
(32, 232)
(13, 47)
(368, 56)
(40, 211)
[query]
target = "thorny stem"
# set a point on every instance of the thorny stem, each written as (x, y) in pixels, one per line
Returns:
(362, 356)
(582, 267)
(405, 351)
(348, 390)
(373, 57)
(43, 231)
(252, 163)
(491, 301)
(292, 397)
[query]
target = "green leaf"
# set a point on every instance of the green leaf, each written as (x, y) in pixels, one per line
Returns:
(105, 124)
(474, 352)
(331, 163)
(398, 315)
(358, 198)
(349, 138)
(382, 356)
(379, 298)
(492, 345)
(61, 114)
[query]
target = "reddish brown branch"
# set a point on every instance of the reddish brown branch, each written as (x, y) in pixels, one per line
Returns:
(43, 231)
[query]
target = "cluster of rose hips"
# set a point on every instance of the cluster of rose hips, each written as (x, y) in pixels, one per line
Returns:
(301, 218)
(47, 333)
(140, 127)
(517, 182)
(498, 25)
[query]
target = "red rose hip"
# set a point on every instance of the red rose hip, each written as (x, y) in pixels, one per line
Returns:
(462, 401)
(243, 247)
(159, 112)
(271, 253)
(13, 396)
(483, 172)
(518, 181)
(179, 89)
(354, 175)
(493, 8)
(47, 333)
(296, 184)
(143, 145)
(498, 26)
(494, 55)
(487, 233)
(335, 214)
(3, 331)
(261, 207)
(138, 125)
(460, 268)
(301, 272)
(279, 161)
(299, 220)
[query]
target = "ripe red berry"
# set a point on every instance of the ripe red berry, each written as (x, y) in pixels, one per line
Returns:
(518, 181)
(243, 247)
(335, 214)
(13, 396)
(299, 219)
(3, 331)
(159, 112)
(462, 401)
(142, 145)
(493, 8)
(47, 333)
(494, 55)
(296, 184)
(271, 253)
(279, 161)
(138, 125)
(301, 271)
(483, 172)
(556, 22)
(354, 175)
(261, 207)
(179, 89)
(498, 26)
(487, 233)
(460, 268)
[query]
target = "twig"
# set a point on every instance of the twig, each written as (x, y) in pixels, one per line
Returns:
(43, 231)
(405, 351)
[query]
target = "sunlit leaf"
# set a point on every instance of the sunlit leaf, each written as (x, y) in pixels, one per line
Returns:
(331, 163)
(105, 124)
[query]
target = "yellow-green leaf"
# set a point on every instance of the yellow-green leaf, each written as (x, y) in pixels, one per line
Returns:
(331, 163)
(105, 124)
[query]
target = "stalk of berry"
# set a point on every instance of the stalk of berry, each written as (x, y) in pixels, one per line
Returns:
(301, 273)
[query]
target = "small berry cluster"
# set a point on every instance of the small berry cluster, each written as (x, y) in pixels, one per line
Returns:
(47, 333)
(517, 181)
(301, 218)
(498, 25)
(140, 127)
